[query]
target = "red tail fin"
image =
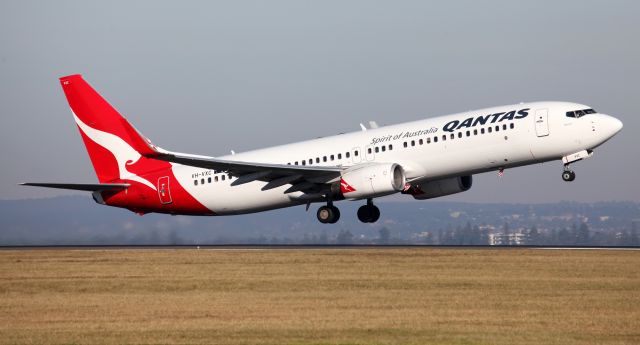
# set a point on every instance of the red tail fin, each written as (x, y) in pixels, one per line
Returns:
(111, 141)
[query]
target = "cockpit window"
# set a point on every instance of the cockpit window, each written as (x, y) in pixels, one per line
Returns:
(580, 113)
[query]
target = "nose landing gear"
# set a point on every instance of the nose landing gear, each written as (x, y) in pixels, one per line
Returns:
(369, 213)
(568, 175)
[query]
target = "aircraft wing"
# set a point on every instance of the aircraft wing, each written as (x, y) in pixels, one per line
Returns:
(275, 174)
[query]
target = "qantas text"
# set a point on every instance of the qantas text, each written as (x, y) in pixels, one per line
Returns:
(482, 120)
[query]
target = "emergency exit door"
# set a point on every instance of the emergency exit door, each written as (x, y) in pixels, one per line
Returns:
(542, 122)
(163, 190)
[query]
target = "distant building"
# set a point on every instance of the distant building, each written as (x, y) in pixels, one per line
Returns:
(513, 239)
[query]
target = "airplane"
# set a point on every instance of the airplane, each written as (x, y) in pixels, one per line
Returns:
(424, 159)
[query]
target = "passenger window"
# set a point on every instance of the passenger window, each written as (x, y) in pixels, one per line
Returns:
(339, 155)
(332, 157)
(421, 142)
(512, 125)
(475, 132)
(481, 130)
(347, 155)
(223, 177)
(384, 148)
(202, 181)
(435, 139)
(195, 182)
(504, 127)
(444, 137)
(468, 133)
(413, 143)
(216, 178)
(296, 163)
(405, 144)
(355, 153)
(453, 136)
(317, 159)
(390, 147)
(209, 180)
(324, 158)
(459, 134)
(369, 150)
(497, 128)
(303, 163)
(489, 129)
(428, 140)
(229, 176)
(377, 149)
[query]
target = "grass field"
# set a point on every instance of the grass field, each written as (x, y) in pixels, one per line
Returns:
(320, 296)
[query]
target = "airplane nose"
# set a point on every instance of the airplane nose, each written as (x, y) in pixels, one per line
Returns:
(611, 125)
(616, 124)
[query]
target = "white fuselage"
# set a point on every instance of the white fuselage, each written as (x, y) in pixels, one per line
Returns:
(545, 133)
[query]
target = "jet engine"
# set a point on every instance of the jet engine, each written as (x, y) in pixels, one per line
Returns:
(372, 180)
(437, 188)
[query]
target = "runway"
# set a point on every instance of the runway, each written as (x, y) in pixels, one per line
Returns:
(249, 247)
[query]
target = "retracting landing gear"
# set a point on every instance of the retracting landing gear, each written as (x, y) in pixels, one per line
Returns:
(369, 213)
(568, 175)
(328, 214)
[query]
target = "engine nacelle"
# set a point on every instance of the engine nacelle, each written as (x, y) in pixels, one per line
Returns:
(434, 189)
(372, 180)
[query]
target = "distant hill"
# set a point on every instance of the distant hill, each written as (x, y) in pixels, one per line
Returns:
(78, 220)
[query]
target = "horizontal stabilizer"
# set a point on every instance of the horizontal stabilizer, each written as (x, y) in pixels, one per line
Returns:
(89, 187)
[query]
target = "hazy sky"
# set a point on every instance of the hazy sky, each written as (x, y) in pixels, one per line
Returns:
(208, 77)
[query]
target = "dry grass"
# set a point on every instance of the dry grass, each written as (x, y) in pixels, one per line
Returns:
(363, 296)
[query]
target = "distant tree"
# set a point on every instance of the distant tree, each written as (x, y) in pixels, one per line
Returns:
(440, 236)
(633, 235)
(484, 236)
(574, 234)
(582, 236)
(476, 239)
(344, 237)
(554, 238)
(384, 235)
(564, 237)
(533, 237)
(506, 234)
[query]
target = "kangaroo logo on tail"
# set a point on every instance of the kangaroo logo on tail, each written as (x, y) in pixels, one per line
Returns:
(121, 150)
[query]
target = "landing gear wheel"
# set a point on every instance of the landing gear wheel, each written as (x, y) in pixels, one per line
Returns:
(568, 175)
(368, 213)
(336, 214)
(328, 214)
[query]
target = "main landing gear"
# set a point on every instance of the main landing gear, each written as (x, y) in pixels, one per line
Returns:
(369, 213)
(568, 175)
(328, 214)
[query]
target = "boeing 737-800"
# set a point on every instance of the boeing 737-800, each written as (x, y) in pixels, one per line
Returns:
(425, 159)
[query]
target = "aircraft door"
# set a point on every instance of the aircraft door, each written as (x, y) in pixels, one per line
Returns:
(163, 190)
(355, 153)
(542, 122)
